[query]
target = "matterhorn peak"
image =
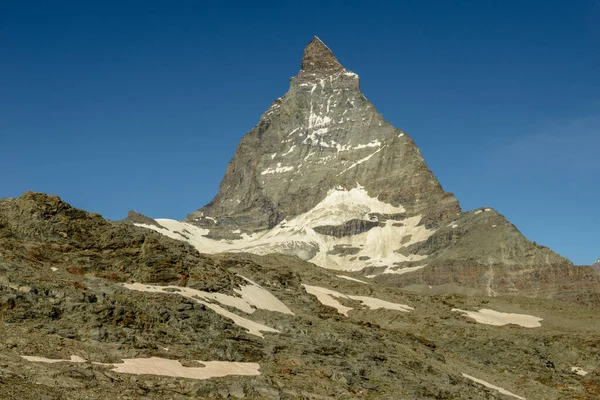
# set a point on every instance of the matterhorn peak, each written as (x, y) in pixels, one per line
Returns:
(322, 134)
(319, 59)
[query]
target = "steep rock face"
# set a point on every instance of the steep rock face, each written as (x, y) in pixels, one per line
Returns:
(322, 134)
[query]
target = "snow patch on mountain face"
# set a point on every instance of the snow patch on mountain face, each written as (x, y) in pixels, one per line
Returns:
(165, 367)
(73, 359)
(491, 317)
(328, 297)
(349, 278)
(491, 386)
(398, 271)
(362, 160)
(173, 368)
(277, 170)
(377, 247)
(579, 371)
(253, 296)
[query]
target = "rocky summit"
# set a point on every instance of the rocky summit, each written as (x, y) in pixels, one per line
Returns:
(330, 265)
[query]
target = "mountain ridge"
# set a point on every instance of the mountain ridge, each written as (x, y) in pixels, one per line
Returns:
(99, 309)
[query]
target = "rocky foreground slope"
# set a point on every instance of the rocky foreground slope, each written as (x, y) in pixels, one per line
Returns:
(93, 309)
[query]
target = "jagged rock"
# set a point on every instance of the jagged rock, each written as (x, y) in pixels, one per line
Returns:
(348, 228)
(137, 218)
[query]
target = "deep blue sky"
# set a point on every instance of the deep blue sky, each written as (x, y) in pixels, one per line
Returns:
(140, 104)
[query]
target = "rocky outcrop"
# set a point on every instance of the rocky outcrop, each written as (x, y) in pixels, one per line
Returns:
(348, 228)
(135, 217)
(47, 230)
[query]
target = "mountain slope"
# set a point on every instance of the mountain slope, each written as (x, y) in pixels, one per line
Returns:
(96, 309)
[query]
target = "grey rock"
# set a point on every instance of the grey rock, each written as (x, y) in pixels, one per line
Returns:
(323, 133)
(138, 218)
(348, 228)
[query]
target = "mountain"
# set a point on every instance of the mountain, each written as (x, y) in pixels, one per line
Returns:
(324, 177)
(330, 265)
(94, 309)
(321, 135)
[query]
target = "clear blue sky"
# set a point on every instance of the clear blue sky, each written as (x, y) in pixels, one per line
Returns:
(140, 104)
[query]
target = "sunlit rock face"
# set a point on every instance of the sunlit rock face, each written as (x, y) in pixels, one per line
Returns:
(321, 135)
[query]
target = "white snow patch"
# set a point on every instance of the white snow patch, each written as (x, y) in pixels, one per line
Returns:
(255, 296)
(310, 153)
(173, 368)
(579, 371)
(261, 298)
(177, 230)
(166, 367)
(328, 297)
(73, 359)
(277, 170)
(478, 211)
(297, 236)
(399, 271)
(54, 269)
(292, 132)
(352, 279)
(289, 151)
(374, 143)
(315, 120)
(491, 317)
(489, 385)
(367, 158)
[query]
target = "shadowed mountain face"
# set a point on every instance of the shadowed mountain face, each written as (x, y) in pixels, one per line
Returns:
(325, 178)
